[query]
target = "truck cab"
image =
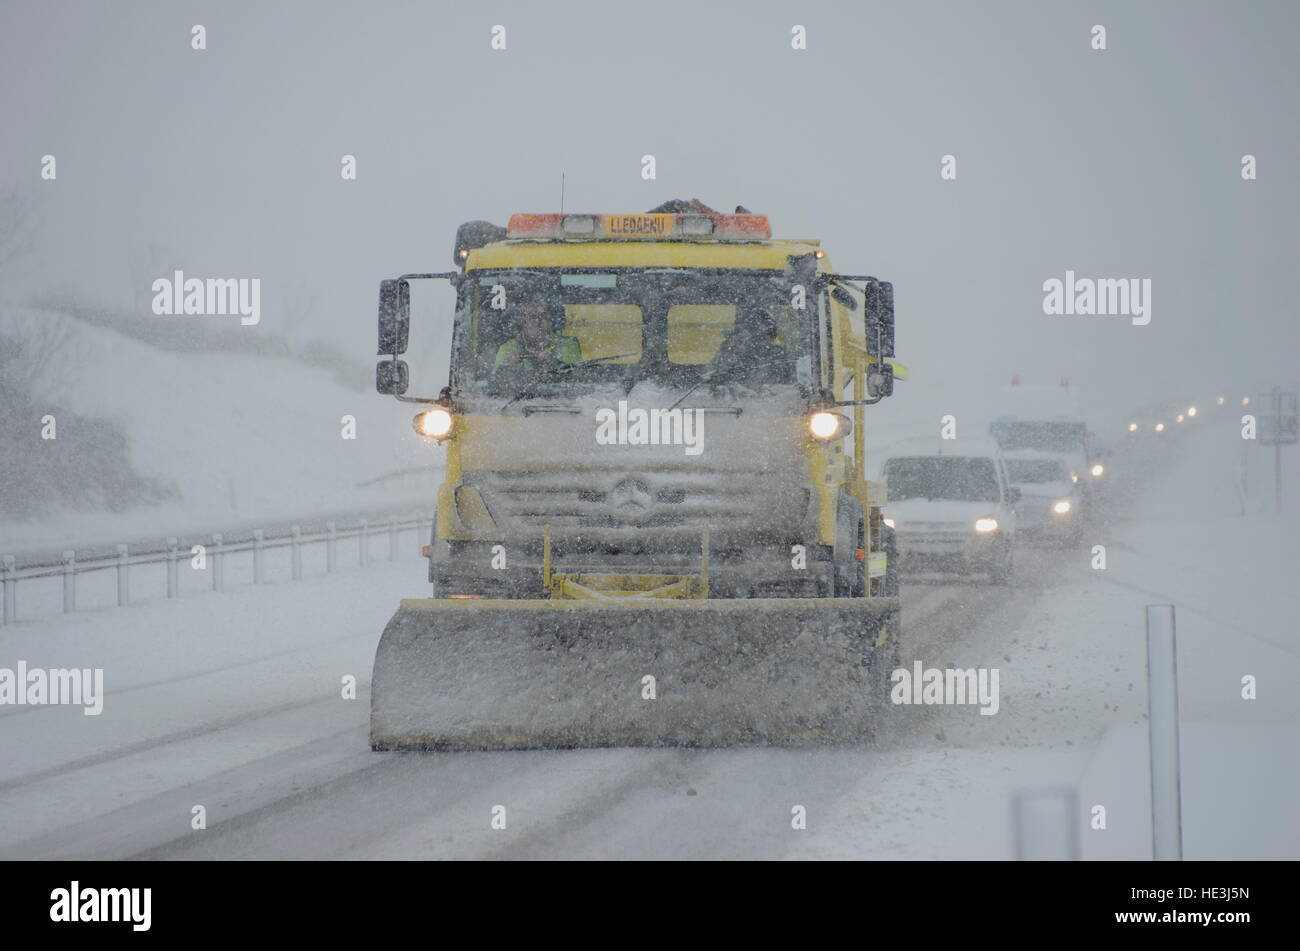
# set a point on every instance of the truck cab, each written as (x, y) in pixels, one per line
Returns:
(669, 404)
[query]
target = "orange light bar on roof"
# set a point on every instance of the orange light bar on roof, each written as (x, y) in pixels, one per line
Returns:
(534, 226)
(652, 227)
(743, 226)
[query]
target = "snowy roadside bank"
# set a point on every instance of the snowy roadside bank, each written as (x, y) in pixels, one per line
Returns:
(234, 440)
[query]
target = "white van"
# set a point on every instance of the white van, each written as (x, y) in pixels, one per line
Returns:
(1051, 504)
(952, 509)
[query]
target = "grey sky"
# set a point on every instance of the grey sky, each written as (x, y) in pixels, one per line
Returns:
(1123, 163)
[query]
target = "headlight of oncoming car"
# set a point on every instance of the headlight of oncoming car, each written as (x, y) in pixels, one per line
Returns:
(986, 524)
(1062, 507)
(435, 423)
(1097, 470)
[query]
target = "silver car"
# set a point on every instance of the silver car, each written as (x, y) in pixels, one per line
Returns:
(952, 512)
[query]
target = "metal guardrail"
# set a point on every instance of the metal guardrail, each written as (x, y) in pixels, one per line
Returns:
(219, 545)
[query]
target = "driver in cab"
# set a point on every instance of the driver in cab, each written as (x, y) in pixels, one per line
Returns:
(536, 345)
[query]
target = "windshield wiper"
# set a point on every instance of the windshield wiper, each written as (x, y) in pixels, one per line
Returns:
(720, 366)
(526, 394)
(724, 350)
(529, 394)
(595, 360)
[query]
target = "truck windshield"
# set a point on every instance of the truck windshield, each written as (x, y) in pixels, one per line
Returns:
(547, 332)
(942, 477)
(1028, 471)
(1048, 436)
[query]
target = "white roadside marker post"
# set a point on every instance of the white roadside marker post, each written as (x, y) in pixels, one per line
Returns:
(1162, 701)
(69, 582)
(10, 591)
(123, 577)
(218, 575)
(259, 556)
(173, 586)
(1047, 825)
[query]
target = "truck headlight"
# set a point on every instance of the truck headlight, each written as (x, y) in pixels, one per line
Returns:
(1097, 470)
(986, 524)
(434, 423)
(825, 426)
(1062, 507)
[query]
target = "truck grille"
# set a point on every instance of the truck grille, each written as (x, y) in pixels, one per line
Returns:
(622, 501)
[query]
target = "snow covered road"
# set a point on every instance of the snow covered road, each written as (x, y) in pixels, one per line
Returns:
(260, 737)
(233, 702)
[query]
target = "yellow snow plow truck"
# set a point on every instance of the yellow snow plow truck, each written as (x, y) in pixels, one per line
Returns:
(654, 527)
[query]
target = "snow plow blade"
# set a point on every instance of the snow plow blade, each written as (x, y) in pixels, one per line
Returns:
(471, 674)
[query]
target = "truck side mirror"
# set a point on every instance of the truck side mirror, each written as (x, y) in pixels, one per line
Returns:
(886, 319)
(394, 316)
(392, 377)
(879, 297)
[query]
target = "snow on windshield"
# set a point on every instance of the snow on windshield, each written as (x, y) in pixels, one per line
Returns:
(942, 477)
